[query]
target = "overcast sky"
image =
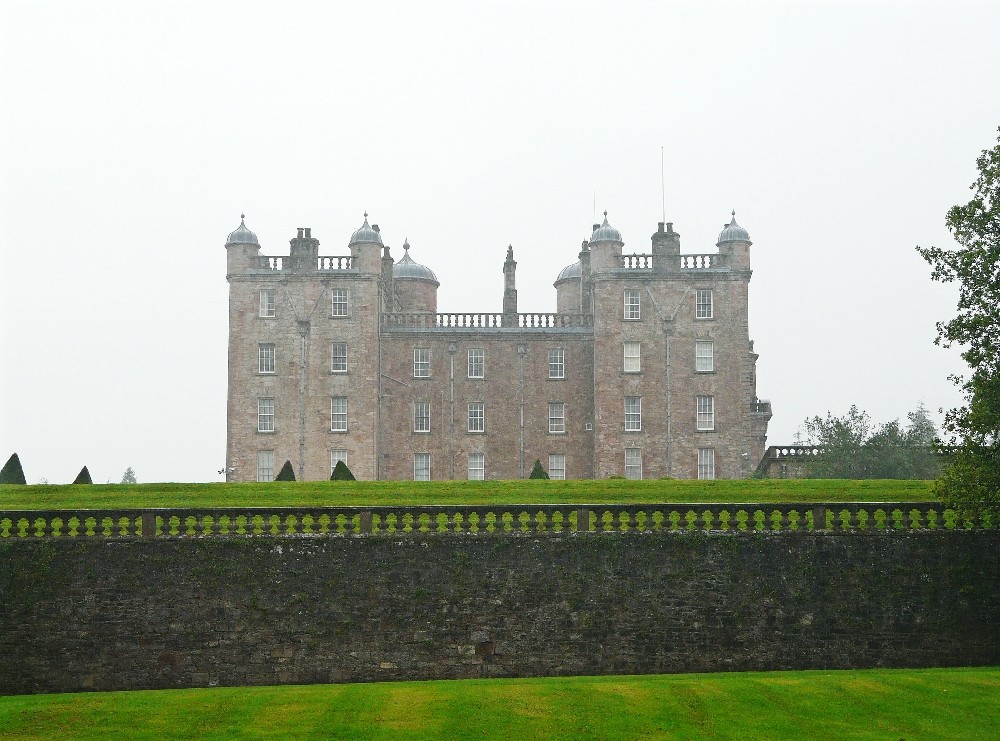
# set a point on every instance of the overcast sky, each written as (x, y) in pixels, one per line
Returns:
(132, 136)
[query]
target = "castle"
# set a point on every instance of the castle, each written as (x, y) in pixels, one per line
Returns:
(645, 369)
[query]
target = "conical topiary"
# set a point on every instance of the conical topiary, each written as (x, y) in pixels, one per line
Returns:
(341, 473)
(83, 477)
(12, 473)
(286, 473)
(537, 472)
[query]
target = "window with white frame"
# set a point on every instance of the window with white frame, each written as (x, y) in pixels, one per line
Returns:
(421, 416)
(704, 356)
(338, 357)
(557, 417)
(477, 363)
(477, 466)
(338, 414)
(557, 362)
(705, 408)
(706, 463)
(632, 308)
(421, 466)
(477, 416)
(337, 456)
(703, 303)
(265, 357)
(265, 465)
(338, 302)
(266, 303)
(633, 463)
(265, 414)
(633, 413)
(557, 466)
(421, 362)
(633, 361)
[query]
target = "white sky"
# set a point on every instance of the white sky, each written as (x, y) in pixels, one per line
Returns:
(133, 134)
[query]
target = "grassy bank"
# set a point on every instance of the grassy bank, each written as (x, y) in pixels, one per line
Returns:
(870, 704)
(311, 493)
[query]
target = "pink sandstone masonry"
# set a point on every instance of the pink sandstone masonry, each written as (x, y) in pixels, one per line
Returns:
(646, 369)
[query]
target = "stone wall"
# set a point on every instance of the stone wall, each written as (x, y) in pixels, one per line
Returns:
(135, 614)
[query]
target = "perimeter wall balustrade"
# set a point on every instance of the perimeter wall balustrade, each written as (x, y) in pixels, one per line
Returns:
(542, 519)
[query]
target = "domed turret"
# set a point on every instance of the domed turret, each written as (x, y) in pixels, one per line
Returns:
(407, 267)
(242, 235)
(733, 232)
(365, 235)
(605, 232)
(570, 271)
(415, 285)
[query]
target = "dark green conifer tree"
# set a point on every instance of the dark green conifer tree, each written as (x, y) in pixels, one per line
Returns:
(12, 473)
(83, 477)
(286, 473)
(537, 472)
(341, 473)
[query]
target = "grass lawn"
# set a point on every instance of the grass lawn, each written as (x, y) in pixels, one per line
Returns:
(313, 493)
(869, 704)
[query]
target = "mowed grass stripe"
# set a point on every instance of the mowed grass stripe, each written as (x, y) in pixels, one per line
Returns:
(867, 704)
(360, 493)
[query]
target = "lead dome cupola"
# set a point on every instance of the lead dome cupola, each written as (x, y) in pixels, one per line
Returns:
(407, 267)
(242, 235)
(605, 232)
(733, 232)
(571, 271)
(365, 234)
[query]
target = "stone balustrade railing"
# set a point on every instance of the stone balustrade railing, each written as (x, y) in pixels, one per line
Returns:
(700, 262)
(792, 451)
(503, 520)
(466, 320)
(342, 262)
(637, 262)
(263, 262)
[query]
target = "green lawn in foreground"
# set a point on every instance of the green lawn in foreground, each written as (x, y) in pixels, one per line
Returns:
(307, 493)
(870, 704)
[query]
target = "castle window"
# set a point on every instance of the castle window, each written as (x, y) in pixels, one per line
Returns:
(265, 415)
(267, 304)
(477, 362)
(335, 457)
(265, 465)
(633, 463)
(421, 466)
(633, 413)
(632, 309)
(557, 417)
(706, 463)
(421, 362)
(421, 416)
(338, 302)
(338, 414)
(477, 416)
(633, 363)
(703, 304)
(704, 356)
(557, 466)
(477, 466)
(338, 357)
(705, 407)
(265, 357)
(557, 363)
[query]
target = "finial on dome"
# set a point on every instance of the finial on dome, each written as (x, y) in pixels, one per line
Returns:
(734, 214)
(605, 214)
(366, 214)
(406, 243)
(242, 216)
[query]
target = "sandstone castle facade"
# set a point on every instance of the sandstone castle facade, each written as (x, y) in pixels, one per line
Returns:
(645, 369)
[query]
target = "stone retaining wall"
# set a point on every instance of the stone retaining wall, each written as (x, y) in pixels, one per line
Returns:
(108, 614)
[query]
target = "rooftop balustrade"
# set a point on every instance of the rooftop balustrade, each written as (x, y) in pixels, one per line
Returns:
(478, 321)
